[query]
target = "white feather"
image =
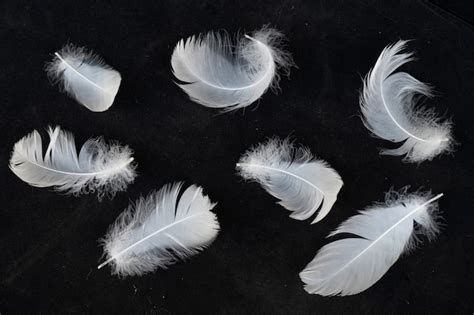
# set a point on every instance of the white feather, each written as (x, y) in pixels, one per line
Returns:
(85, 77)
(101, 167)
(158, 230)
(302, 183)
(389, 104)
(220, 75)
(381, 234)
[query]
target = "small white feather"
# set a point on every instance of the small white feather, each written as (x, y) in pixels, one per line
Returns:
(389, 104)
(85, 77)
(101, 167)
(158, 230)
(381, 234)
(302, 183)
(218, 73)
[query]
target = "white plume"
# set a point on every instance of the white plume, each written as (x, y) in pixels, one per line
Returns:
(381, 234)
(85, 77)
(216, 73)
(389, 103)
(302, 183)
(101, 167)
(158, 230)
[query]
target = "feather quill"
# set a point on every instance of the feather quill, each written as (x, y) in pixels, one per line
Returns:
(381, 234)
(158, 230)
(216, 73)
(84, 76)
(104, 168)
(389, 104)
(302, 183)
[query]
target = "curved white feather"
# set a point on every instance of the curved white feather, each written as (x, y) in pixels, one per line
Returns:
(85, 77)
(217, 74)
(389, 107)
(101, 167)
(158, 230)
(302, 183)
(384, 231)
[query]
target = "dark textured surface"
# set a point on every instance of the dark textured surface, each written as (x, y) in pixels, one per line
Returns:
(48, 242)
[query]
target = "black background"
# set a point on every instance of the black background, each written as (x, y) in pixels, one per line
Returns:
(48, 242)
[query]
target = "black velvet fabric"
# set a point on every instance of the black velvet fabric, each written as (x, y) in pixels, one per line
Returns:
(48, 241)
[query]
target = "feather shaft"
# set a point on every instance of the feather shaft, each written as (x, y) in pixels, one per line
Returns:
(281, 171)
(77, 72)
(384, 102)
(111, 170)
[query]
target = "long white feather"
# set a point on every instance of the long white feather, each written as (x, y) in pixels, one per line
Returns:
(158, 230)
(381, 234)
(389, 104)
(302, 183)
(84, 76)
(216, 73)
(101, 167)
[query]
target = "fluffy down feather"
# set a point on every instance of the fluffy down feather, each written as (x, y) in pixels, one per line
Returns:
(302, 183)
(159, 230)
(84, 76)
(390, 111)
(99, 167)
(218, 73)
(381, 234)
